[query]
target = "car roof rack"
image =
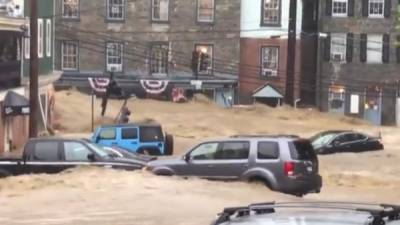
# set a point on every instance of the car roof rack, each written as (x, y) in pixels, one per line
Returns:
(265, 136)
(379, 213)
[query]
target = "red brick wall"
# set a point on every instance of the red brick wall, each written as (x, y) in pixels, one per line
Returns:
(250, 79)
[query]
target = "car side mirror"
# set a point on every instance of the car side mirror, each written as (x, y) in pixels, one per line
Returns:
(336, 143)
(186, 158)
(91, 157)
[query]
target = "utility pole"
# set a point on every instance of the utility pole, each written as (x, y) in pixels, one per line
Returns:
(291, 57)
(33, 70)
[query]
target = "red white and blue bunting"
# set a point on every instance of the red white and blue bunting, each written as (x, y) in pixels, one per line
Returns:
(154, 86)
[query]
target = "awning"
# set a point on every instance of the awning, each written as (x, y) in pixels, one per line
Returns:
(13, 24)
(15, 104)
(267, 91)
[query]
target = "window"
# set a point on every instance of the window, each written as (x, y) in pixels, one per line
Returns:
(27, 45)
(114, 57)
(40, 38)
(159, 59)
(75, 151)
(205, 11)
(339, 8)
(107, 134)
(376, 8)
(48, 38)
(116, 10)
(160, 10)
(268, 150)
(338, 47)
(336, 97)
(204, 152)
(374, 49)
(151, 134)
(207, 52)
(271, 12)
(302, 150)
(233, 150)
(46, 151)
(129, 133)
(69, 55)
(70, 8)
(269, 61)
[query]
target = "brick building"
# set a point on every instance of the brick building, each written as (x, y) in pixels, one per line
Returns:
(143, 40)
(359, 67)
(264, 48)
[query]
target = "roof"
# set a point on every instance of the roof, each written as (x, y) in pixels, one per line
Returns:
(131, 125)
(308, 217)
(267, 91)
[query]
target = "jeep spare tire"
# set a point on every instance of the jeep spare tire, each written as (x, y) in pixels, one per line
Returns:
(169, 144)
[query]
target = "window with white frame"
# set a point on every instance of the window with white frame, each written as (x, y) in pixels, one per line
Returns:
(69, 55)
(338, 47)
(339, 8)
(114, 56)
(115, 9)
(70, 8)
(40, 38)
(374, 48)
(269, 61)
(271, 12)
(160, 10)
(48, 37)
(27, 44)
(159, 59)
(205, 10)
(207, 53)
(376, 8)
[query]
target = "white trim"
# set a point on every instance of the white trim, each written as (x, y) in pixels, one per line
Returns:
(152, 12)
(378, 16)
(27, 45)
(340, 14)
(76, 44)
(48, 37)
(40, 33)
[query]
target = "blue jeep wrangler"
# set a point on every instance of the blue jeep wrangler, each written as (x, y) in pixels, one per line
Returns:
(135, 137)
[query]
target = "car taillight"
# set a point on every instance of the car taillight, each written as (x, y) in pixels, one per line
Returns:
(289, 168)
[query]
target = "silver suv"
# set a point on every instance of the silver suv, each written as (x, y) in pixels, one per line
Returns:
(284, 163)
(310, 213)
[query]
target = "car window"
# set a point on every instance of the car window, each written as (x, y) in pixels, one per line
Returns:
(268, 150)
(205, 151)
(151, 134)
(46, 151)
(129, 133)
(233, 150)
(302, 150)
(107, 133)
(75, 151)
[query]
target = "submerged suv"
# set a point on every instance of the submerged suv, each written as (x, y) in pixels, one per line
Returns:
(140, 138)
(311, 213)
(284, 163)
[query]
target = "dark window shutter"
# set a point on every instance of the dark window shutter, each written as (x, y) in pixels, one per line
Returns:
(363, 47)
(388, 8)
(328, 8)
(398, 49)
(365, 8)
(385, 48)
(349, 47)
(327, 50)
(350, 8)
